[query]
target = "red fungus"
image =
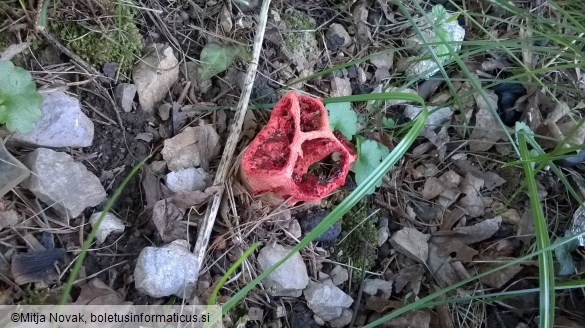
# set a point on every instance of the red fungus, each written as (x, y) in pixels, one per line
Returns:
(297, 155)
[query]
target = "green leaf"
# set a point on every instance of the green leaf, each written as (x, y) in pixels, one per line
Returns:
(440, 13)
(388, 122)
(216, 59)
(370, 155)
(20, 103)
(342, 118)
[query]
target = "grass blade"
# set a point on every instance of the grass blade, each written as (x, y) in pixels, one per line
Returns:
(545, 260)
(91, 236)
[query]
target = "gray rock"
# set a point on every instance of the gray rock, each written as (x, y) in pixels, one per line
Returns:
(339, 275)
(313, 219)
(168, 270)
(164, 111)
(58, 181)
(155, 75)
(372, 286)
(63, 124)
(124, 94)
(326, 300)
(337, 37)
(182, 151)
(294, 228)
(383, 234)
(340, 87)
(189, 179)
(342, 321)
(290, 278)
(109, 224)
(158, 167)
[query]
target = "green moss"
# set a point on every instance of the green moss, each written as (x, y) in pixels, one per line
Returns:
(45, 296)
(301, 30)
(119, 42)
(353, 248)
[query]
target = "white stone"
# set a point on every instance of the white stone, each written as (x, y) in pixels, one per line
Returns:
(383, 234)
(326, 300)
(338, 31)
(189, 179)
(109, 224)
(342, 321)
(290, 278)
(61, 183)
(339, 275)
(124, 94)
(294, 228)
(372, 286)
(168, 270)
(63, 124)
(155, 76)
(340, 87)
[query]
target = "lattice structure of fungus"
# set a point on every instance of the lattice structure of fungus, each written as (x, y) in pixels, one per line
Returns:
(297, 155)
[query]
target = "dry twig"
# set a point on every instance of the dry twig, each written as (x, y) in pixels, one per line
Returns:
(206, 226)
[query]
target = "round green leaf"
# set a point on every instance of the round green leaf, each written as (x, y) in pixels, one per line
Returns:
(20, 103)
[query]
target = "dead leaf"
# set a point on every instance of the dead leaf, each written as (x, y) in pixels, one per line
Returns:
(448, 197)
(563, 322)
(491, 179)
(499, 278)
(383, 63)
(439, 140)
(151, 186)
(433, 188)
(381, 305)
(451, 244)
(452, 217)
(412, 243)
(413, 319)
(168, 220)
(445, 268)
(472, 202)
(35, 266)
(249, 126)
(480, 231)
(450, 179)
(487, 131)
(186, 199)
(97, 293)
(409, 274)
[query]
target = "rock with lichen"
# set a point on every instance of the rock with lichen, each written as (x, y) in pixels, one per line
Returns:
(300, 43)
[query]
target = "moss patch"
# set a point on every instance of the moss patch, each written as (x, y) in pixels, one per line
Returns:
(354, 248)
(115, 40)
(300, 43)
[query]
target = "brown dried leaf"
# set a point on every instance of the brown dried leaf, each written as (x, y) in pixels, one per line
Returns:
(167, 219)
(448, 197)
(409, 274)
(381, 305)
(499, 278)
(413, 319)
(445, 268)
(412, 243)
(249, 126)
(491, 179)
(487, 131)
(35, 266)
(472, 202)
(97, 293)
(433, 188)
(186, 199)
(480, 231)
